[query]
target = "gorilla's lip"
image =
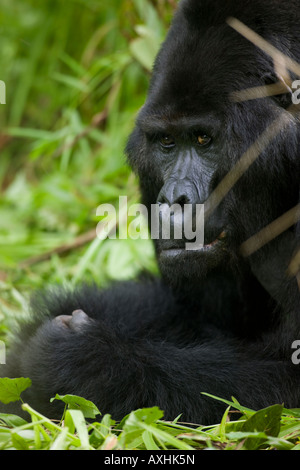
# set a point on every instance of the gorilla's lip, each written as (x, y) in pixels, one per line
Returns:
(214, 245)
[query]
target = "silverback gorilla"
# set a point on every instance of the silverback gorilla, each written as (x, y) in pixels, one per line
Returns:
(215, 321)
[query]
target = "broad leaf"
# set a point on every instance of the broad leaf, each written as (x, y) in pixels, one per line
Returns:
(74, 402)
(267, 420)
(11, 389)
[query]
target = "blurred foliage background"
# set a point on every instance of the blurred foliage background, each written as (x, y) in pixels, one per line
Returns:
(76, 73)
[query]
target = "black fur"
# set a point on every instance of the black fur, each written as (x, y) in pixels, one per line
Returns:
(216, 322)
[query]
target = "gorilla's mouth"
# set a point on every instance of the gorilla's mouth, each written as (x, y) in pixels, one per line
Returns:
(211, 247)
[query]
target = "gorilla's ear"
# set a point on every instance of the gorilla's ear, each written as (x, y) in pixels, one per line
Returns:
(284, 96)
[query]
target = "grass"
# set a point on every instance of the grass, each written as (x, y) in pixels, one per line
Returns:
(76, 73)
(82, 427)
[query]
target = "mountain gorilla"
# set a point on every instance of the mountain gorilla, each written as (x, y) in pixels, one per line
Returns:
(216, 321)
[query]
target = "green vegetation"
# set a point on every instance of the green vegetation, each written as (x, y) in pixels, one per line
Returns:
(83, 427)
(76, 73)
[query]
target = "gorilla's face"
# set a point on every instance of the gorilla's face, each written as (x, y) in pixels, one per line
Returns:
(190, 135)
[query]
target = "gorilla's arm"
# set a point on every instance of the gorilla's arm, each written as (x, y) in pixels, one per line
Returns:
(121, 369)
(271, 267)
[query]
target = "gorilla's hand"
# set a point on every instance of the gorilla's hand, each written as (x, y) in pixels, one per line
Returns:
(74, 322)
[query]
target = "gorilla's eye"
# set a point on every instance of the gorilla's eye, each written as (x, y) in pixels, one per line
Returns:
(167, 141)
(203, 139)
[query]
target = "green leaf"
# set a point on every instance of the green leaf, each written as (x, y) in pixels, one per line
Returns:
(166, 437)
(99, 431)
(74, 402)
(11, 420)
(20, 442)
(234, 403)
(61, 442)
(149, 441)
(267, 420)
(75, 419)
(11, 389)
(222, 428)
(5, 438)
(132, 425)
(145, 415)
(105, 425)
(239, 435)
(145, 419)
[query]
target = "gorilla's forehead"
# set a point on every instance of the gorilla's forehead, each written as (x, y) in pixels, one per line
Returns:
(198, 71)
(166, 120)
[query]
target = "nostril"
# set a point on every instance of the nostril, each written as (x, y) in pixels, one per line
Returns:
(162, 199)
(182, 200)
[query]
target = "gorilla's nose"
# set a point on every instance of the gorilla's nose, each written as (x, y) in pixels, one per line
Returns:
(179, 192)
(177, 203)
